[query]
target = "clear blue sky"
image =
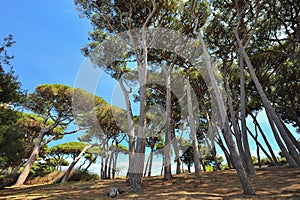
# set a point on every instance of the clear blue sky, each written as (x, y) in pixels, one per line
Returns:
(48, 35)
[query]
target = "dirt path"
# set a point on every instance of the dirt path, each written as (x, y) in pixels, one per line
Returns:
(269, 183)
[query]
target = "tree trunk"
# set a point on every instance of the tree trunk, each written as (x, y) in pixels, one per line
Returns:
(115, 164)
(176, 150)
(90, 164)
(137, 166)
(257, 148)
(247, 187)
(66, 176)
(16, 169)
(212, 145)
(247, 154)
(226, 153)
(265, 139)
(258, 145)
(201, 162)
(167, 149)
(234, 121)
(79, 168)
(106, 166)
(289, 158)
(102, 168)
(293, 139)
(147, 164)
(130, 128)
(110, 165)
(193, 131)
(150, 163)
(267, 104)
(35, 152)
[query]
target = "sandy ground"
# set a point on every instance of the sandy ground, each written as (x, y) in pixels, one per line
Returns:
(269, 183)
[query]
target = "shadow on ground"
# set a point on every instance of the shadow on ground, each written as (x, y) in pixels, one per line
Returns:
(269, 183)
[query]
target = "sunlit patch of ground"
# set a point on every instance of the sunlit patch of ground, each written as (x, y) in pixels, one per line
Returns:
(269, 183)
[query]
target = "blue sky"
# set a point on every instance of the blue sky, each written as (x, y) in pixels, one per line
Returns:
(49, 35)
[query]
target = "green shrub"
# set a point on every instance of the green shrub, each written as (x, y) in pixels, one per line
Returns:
(265, 161)
(209, 168)
(8, 180)
(81, 175)
(225, 167)
(283, 161)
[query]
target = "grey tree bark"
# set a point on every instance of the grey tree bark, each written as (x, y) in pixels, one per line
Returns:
(247, 154)
(247, 187)
(150, 162)
(267, 105)
(289, 158)
(234, 121)
(35, 152)
(167, 149)
(130, 126)
(193, 131)
(66, 175)
(176, 150)
(265, 139)
(139, 156)
(259, 146)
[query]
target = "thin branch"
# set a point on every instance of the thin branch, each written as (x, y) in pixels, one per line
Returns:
(151, 15)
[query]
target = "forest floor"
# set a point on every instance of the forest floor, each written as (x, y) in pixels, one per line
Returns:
(269, 183)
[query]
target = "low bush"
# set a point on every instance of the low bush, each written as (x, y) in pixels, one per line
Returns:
(81, 175)
(8, 180)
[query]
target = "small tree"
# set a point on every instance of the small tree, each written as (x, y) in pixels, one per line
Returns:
(54, 104)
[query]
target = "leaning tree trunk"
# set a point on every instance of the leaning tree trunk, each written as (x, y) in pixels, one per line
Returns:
(289, 158)
(267, 104)
(90, 164)
(193, 130)
(258, 145)
(226, 153)
(66, 176)
(257, 148)
(247, 187)
(247, 156)
(294, 140)
(35, 152)
(265, 139)
(234, 121)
